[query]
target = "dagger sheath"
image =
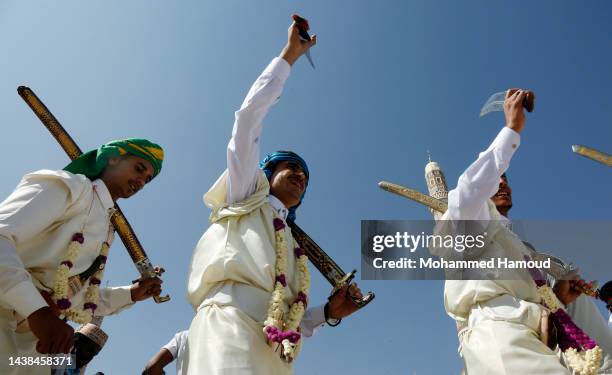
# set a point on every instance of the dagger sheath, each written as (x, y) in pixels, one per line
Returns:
(417, 196)
(325, 264)
(593, 154)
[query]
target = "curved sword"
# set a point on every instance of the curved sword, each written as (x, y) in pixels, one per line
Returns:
(593, 154)
(417, 196)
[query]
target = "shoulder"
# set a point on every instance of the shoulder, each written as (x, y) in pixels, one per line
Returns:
(58, 181)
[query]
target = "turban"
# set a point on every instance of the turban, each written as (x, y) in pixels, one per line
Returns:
(92, 163)
(270, 161)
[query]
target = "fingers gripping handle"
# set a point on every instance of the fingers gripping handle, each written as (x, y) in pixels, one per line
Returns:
(346, 280)
(147, 270)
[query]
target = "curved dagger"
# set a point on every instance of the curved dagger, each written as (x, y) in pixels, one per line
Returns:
(326, 265)
(417, 196)
(593, 154)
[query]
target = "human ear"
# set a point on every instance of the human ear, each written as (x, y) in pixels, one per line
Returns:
(114, 160)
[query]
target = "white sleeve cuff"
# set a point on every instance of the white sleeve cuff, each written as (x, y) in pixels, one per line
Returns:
(279, 67)
(25, 298)
(115, 299)
(507, 141)
(313, 319)
(317, 315)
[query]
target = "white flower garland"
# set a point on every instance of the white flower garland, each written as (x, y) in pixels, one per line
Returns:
(586, 362)
(277, 330)
(60, 286)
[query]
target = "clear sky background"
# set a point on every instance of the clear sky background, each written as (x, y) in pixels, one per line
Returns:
(393, 79)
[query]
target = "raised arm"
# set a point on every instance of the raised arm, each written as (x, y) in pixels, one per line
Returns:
(243, 148)
(481, 180)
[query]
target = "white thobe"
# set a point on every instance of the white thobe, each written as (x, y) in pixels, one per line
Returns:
(231, 287)
(502, 316)
(37, 222)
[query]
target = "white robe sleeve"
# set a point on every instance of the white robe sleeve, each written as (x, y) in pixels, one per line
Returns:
(313, 319)
(480, 181)
(114, 300)
(243, 147)
(179, 339)
(25, 213)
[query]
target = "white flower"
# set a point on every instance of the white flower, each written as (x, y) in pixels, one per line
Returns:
(60, 285)
(277, 305)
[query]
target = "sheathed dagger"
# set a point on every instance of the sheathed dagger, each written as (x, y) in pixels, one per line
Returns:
(593, 154)
(119, 221)
(326, 265)
(415, 195)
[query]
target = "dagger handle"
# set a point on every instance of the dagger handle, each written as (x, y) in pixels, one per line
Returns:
(303, 27)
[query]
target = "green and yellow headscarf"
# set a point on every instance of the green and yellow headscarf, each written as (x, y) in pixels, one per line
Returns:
(92, 163)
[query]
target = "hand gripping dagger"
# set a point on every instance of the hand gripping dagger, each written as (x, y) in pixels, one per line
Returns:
(303, 27)
(122, 226)
(326, 265)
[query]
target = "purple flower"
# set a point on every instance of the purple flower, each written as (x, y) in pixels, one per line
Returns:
(90, 305)
(102, 258)
(78, 237)
(301, 297)
(63, 303)
(298, 251)
(293, 336)
(278, 224)
(536, 274)
(570, 335)
(276, 335)
(281, 279)
(67, 263)
(273, 334)
(94, 281)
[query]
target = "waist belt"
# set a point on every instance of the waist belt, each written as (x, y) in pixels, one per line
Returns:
(251, 300)
(507, 308)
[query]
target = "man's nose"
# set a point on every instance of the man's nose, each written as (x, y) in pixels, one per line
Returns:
(503, 183)
(301, 175)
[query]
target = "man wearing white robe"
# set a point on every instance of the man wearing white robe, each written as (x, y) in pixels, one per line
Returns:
(232, 273)
(499, 320)
(37, 223)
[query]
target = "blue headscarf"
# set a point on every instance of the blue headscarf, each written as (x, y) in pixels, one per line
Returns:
(269, 163)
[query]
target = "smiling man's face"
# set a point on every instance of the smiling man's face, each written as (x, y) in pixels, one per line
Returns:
(503, 198)
(126, 175)
(288, 182)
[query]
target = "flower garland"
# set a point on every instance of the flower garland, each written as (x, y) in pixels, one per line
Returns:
(582, 353)
(60, 286)
(286, 333)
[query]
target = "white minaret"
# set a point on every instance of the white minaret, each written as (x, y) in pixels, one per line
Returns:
(436, 183)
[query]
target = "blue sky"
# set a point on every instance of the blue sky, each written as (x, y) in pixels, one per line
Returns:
(393, 79)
